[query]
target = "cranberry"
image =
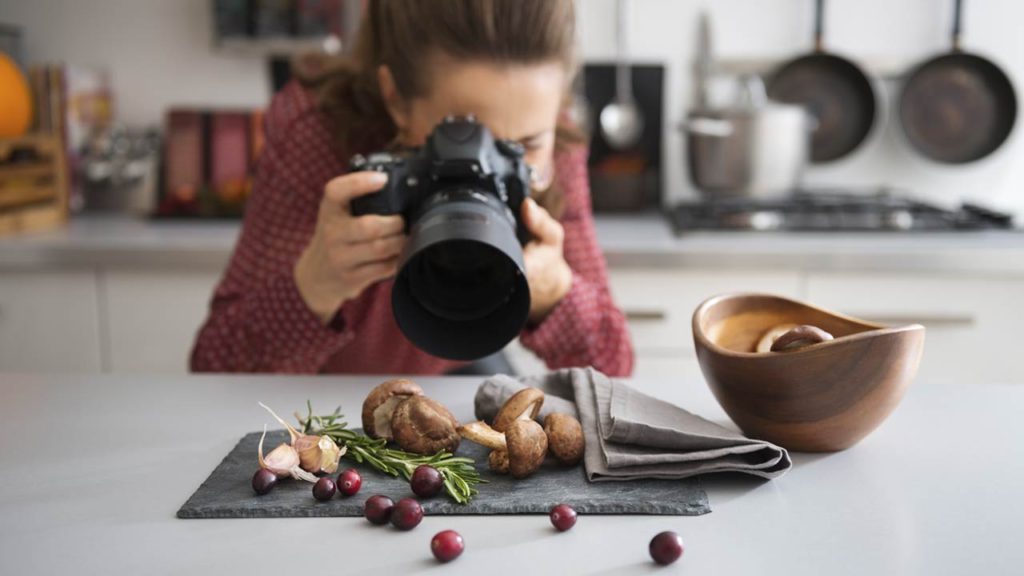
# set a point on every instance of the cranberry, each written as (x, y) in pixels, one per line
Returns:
(666, 548)
(563, 517)
(377, 509)
(407, 514)
(447, 545)
(263, 481)
(349, 482)
(426, 481)
(324, 489)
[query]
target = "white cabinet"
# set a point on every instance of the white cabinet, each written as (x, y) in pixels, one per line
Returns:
(49, 322)
(973, 325)
(659, 305)
(154, 317)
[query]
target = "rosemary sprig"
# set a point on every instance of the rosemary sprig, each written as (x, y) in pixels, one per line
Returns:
(459, 473)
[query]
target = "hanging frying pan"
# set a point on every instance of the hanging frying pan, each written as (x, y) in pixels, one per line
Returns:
(836, 92)
(957, 107)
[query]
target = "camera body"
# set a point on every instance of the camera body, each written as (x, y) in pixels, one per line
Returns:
(461, 290)
(460, 155)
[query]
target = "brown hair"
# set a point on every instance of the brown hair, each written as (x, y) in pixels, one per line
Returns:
(405, 34)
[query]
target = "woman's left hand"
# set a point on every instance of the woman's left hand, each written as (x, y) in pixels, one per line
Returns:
(547, 271)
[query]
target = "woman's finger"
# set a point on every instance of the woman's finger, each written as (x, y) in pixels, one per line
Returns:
(343, 189)
(370, 227)
(384, 248)
(538, 221)
(369, 273)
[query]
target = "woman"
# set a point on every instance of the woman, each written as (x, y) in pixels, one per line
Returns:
(308, 287)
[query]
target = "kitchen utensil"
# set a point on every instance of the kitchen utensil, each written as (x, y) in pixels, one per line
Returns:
(227, 493)
(703, 64)
(837, 92)
(621, 120)
(757, 148)
(820, 398)
(957, 107)
(629, 179)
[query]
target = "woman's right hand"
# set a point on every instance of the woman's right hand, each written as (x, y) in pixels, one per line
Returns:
(347, 253)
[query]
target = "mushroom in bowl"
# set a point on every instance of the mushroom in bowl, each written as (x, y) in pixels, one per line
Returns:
(830, 381)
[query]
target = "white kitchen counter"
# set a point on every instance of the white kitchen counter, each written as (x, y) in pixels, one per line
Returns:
(642, 241)
(96, 466)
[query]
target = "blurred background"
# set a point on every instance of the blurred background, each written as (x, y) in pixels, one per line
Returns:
(727, 154)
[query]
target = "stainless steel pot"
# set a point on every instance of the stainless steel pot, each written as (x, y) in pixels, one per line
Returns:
(757, 148)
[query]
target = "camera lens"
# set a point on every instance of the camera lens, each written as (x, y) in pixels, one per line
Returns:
(463, 280)
(461, 290)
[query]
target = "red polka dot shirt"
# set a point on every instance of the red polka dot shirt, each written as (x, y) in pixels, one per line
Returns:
(258, 321)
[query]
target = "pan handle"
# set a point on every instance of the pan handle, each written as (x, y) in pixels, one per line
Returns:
(819, 25)
(957, 22)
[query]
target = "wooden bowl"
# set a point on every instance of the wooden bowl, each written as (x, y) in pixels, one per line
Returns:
(820, 398)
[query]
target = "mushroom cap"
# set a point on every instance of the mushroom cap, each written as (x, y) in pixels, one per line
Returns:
(424, 426)
(523, 405)
(381, 402)
(565, 438)
(799, 337)
(527, 446)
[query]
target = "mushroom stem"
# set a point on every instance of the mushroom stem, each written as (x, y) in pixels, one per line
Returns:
(483, 435)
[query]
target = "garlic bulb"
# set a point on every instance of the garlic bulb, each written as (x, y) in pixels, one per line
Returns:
(317, 454)
(283, 461)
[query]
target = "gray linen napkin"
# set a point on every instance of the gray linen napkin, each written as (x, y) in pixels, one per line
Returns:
(631, 435)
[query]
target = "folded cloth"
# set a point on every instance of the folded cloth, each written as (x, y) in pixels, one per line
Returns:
(630, 435)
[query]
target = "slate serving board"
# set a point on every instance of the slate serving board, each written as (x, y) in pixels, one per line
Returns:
(227, 493)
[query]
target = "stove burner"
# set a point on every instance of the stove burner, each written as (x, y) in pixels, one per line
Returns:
(830, 210)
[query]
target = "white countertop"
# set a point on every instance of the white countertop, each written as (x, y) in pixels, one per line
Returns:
(643, 240)
(96, 466)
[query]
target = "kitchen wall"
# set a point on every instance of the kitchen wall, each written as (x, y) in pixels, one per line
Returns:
(159, 53)
(889, 35)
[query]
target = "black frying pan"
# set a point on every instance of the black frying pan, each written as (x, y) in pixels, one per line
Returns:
(957, 107)
(836, 92)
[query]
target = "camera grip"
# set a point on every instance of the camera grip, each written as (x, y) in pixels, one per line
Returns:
(375, 203)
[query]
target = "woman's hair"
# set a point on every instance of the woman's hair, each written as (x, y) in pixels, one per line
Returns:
(405, 35)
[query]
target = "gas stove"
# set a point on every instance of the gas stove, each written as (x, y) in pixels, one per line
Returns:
(820, 211)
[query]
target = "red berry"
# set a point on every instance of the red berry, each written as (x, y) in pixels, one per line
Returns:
(263, 481)
(563, 517)
(666, 548)
(447, 545)
(377, 509)
(426, 481)
(324, 489)
(407, 514)
(349, 482)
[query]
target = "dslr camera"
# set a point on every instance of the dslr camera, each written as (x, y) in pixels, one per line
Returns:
(461, 291)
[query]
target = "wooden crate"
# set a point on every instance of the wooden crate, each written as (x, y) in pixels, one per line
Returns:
(33, 196)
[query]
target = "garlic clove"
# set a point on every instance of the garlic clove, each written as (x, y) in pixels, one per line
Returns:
(313, 451)
(280, 460)
(318, 454)
(330, 455)
(283, 461)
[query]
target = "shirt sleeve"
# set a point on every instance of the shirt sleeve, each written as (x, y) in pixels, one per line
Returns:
(258, 320)
(585, 328)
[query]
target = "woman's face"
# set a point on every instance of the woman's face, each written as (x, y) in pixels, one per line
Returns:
(517, 102)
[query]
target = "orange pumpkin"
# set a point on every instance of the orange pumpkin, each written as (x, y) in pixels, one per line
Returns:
(15, 100)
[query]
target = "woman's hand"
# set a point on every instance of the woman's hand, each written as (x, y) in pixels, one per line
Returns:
(347, 253)
(547, 271)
